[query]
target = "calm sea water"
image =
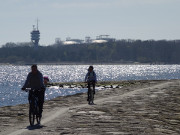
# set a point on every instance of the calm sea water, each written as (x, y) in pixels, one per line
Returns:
(12, 78)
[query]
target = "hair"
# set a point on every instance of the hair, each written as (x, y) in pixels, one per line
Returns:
(34, 66)
(91, 67)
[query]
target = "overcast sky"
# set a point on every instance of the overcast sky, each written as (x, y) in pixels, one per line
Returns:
(121, 19)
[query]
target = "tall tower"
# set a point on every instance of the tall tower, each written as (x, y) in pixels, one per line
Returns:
(35, 36)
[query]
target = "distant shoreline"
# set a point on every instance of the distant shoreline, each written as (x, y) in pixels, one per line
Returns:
(85, 63)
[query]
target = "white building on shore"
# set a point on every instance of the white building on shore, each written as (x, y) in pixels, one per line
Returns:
(88, 40)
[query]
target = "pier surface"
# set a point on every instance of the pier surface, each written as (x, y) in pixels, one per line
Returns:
(134, 108)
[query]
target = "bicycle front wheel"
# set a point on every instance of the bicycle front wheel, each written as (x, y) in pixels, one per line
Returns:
(31, 115)
(91, 97)
(38, 116)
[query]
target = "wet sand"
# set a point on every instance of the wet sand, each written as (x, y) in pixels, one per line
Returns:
(136, 108)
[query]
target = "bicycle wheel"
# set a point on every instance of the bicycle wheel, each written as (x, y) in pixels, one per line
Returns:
(38, 117)
(91, 96)
(31, 114)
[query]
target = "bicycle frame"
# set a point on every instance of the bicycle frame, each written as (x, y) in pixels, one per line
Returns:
(34, 102)
(33, 107)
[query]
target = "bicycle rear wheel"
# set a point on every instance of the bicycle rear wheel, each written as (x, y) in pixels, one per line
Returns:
(31, 115)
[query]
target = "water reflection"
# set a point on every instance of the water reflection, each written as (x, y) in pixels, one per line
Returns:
(12, 78)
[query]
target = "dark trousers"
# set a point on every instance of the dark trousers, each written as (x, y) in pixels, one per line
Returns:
(40, 95)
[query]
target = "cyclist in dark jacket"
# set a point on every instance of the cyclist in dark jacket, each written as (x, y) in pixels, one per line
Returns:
(35, 81)
(90, 77)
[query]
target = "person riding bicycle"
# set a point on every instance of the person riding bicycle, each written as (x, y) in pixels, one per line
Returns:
(90, 78)
(35, 81)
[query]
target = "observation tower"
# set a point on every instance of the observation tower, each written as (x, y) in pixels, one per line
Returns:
(35, 36)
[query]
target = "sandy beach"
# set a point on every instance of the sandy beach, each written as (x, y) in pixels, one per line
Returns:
(137, 108)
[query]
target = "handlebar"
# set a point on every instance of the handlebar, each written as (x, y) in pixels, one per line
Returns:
(29, 89)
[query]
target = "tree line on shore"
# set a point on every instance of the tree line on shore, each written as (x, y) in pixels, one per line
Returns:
(122, 51)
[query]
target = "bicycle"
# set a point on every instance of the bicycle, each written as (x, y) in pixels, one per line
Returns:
(34, 111)
(91, 93)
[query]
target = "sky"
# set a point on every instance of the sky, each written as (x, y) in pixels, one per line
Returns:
(121, 19)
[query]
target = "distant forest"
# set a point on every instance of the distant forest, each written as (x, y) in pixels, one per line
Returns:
(122, 51)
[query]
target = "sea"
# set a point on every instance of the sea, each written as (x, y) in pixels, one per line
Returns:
(12, 78)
